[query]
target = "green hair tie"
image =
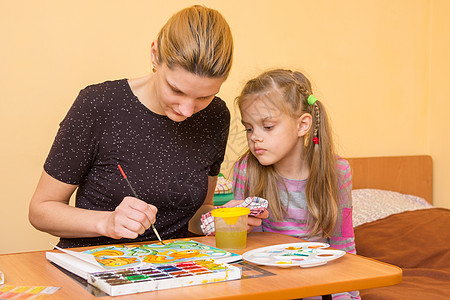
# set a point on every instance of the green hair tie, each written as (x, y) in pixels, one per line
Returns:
(311, 99)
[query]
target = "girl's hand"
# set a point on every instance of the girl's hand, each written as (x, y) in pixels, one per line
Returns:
(253, 221)
(130, 219)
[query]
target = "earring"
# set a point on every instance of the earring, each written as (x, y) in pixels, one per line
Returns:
(153, 69)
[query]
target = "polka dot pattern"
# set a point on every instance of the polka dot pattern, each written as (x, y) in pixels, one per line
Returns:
(167, 162)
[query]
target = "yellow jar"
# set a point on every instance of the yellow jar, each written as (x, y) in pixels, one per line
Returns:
(230, 225)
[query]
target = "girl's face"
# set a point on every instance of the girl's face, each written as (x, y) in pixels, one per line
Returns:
(180, 94)
(274, 137)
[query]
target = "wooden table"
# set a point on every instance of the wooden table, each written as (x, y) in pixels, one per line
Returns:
(348, 273)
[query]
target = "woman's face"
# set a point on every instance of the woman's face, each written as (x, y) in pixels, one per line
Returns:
(180, 94)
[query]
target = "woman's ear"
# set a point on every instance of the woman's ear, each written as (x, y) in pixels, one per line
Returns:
(304, 124)
(154, 53)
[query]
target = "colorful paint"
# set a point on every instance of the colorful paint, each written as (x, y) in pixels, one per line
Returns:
(26, 292)
(126, 256)
(158, 277)
(307, 254)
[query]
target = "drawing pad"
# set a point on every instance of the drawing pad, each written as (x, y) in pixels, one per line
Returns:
(125, 256)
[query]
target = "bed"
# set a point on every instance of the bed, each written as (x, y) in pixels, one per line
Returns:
(395, 222)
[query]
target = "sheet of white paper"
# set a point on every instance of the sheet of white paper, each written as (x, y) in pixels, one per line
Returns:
(89, 258)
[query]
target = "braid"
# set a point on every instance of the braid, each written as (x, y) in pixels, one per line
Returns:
(304, 91)
(316, 111)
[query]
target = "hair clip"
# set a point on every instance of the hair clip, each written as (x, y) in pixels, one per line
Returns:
(311, 99)
(316, 140)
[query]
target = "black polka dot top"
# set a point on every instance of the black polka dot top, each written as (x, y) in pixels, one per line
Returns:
(167, 162)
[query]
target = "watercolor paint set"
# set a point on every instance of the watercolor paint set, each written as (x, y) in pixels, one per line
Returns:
(163, 276)
(304, 254)
(123, 256)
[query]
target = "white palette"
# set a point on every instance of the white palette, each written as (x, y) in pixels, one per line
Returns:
(303, 254)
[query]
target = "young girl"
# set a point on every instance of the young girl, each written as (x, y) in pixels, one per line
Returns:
(291, 162)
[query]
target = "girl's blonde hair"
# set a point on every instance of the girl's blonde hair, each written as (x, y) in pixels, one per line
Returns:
(321, 187)
(199, 40)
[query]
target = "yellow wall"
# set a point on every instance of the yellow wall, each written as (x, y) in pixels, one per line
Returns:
(438, 100)
(380, 66)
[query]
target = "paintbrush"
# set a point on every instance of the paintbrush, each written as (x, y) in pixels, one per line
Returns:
(135, 195)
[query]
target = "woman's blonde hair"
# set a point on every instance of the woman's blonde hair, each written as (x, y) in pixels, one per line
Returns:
(199, 40)
(293, 90)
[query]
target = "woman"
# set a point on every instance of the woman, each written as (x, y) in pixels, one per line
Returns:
(167, 130)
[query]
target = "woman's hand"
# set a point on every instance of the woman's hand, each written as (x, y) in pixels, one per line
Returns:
(131, 218)
(50, 212)
(253, 221)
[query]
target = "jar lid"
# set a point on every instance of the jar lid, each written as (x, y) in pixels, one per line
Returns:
(229, 212)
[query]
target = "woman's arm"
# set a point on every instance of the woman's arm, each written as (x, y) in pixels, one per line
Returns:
(208, 205)
(49, 211)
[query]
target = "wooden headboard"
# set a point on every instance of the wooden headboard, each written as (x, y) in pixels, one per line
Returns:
(404, 174)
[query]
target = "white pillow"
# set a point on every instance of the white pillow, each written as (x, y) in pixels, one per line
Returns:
(372, 204)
